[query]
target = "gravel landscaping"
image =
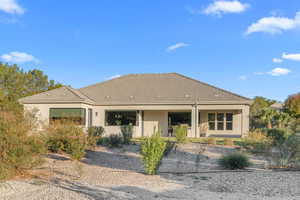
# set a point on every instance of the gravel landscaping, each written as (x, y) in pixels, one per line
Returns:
(187, 173)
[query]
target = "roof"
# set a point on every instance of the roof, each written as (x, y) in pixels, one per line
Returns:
(169, 88)
(277, 106)
(63, 94)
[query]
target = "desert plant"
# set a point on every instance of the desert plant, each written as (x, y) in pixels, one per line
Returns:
(278, 136)
(152, 150)
(288, 153)
(127, 132)
(94, 135)
(257, 141)
(114, 140)
(234, 161)
(21, 147)
(228, 142)
(169, 147)
(181, 134)
(66, 137)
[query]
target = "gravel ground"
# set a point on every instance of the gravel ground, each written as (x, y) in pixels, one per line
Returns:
(116, 174)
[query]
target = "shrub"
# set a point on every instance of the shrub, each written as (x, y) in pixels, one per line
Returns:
(234, 161)
(288, 154)
(211, 141)
(152, 150)
(114, 140)
(181, 134)
(127, 132)
(21, 146)
(94, 135)
(169, 146)
(228, 142)
(257, 142)
(66, 137)
(277, 135)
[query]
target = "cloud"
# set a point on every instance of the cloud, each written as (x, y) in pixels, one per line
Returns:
(279, 71)
(113, 77)
(275, 72)
(277, 60)
(294, 57)
(243, 78)
(11, 7)
(18, 57)
(274, 25)
(176, 46)
(222, 7)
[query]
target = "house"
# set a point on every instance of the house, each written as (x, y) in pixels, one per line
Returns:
(149, 102)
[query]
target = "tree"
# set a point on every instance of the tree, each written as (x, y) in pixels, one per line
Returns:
(282, 118)
(258, 105)
(15, 84)
(292, 104)
(267, 115)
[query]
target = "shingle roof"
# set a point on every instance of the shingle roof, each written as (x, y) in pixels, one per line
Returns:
(157, 89)
(64, 94)
(169, 88)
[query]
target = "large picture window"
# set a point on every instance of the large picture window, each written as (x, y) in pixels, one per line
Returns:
(179, 118)
(120, 118)
(220, 121)
(76, 115)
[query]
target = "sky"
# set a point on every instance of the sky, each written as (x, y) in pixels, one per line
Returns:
(250, 47)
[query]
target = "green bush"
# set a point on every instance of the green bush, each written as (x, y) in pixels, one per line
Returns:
(66, 137)
(169, 146)
(152, 150)
(257, 142)
(94, 135)
(277, 135)
(288, 154)
(21, 146)
(127, 132)
(115, 140)
(181, 134)
(234, 161)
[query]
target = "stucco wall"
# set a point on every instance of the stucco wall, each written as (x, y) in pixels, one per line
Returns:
(155, 116)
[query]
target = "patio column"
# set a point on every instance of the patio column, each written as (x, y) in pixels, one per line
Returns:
(245, 120)
(140, 122)
(194, 121)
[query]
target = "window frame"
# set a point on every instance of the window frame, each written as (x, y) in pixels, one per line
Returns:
(216, 121)
(82, 121)
(120, 111)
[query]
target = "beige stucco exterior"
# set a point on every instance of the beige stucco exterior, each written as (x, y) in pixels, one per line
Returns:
(154, 117)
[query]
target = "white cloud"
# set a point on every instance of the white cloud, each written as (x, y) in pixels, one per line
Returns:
(275, 72)
(274, 25)
(279, 71)
(277, 60)
(18, 57)
(243, 78)
(176, 46)
(11, 6)
(113, 77)
(222, 7)
(294, 57)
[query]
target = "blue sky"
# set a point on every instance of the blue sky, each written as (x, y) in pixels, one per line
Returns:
(250, 47)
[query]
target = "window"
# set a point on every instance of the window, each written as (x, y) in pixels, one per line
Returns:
(179, 118)
(229, 120)
(120, 118)
(77, 115)
(211, 121)
(220, 121)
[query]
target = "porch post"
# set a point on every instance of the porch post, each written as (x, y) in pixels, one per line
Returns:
(140, 127)
(245, 120)
(195, 121)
